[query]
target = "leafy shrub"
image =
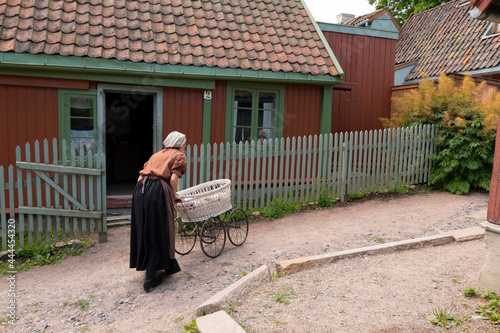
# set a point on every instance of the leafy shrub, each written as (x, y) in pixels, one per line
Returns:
(325, 201)
(466, 130)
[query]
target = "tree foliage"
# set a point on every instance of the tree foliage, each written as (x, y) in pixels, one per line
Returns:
(401, 9)
(466, 121)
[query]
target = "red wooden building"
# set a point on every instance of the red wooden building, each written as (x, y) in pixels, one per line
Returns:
(117, 76)
(365, 47)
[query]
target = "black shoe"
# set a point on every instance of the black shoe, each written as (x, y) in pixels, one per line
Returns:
(150, 284)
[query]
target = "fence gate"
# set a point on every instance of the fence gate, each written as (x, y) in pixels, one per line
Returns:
(60, 198)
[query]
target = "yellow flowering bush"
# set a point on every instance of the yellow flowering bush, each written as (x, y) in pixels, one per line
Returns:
(466, 121)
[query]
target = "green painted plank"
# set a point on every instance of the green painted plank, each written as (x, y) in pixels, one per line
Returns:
(202, 163)
(287, 171)
(252, 187)
(243, 182)
(369, 171)
(100, 194)
(343, 161)
(71, 198)
(29, 195)
(413, 155)
(73, 186)
(221, 161)
(276, 180)
(10, 171)
(303, 173)
(58, 168)
(20, 198)
(233, 172)
(269, 172)
(39, 211)
(333, 151)
(38, 187)
(319, 170)
(90, 193)
(314, 172)
(81, 186)
(3, 211)
(399, 156)
(195, 166)
(281, 160)
(296, 141)
(292, 175)
(65, 203)
(48, 202)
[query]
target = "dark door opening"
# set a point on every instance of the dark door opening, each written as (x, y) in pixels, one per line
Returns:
(129, 139)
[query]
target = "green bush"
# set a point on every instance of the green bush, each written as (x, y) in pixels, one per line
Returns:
(466, 122)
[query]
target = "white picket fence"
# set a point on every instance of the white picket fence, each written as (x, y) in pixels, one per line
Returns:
(307, 168)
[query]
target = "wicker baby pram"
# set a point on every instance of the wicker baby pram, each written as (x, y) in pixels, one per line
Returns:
(205, 200)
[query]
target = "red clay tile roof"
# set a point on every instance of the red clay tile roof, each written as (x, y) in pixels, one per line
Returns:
(269, 35)
(446, 39)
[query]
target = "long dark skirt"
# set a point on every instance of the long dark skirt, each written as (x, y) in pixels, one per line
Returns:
(152, 232)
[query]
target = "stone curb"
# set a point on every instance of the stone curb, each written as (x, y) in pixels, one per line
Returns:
(299, 264)
(468, 234)
(218, 322)
(237, 290)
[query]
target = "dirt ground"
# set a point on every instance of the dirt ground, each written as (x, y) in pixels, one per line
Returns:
(97, 292)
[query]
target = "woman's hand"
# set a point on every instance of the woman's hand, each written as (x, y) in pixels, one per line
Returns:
(177, 198)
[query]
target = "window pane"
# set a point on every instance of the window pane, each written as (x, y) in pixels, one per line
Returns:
(81, 107)
(242, 134)
(82, 124)
(267, 100)
(243, 98)
(243, 117)
(86, 143)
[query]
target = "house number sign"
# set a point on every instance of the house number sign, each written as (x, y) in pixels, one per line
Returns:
(207, 94)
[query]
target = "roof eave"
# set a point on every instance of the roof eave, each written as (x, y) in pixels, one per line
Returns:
(108, 70)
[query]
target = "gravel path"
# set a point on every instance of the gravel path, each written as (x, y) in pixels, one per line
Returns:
(97, 292)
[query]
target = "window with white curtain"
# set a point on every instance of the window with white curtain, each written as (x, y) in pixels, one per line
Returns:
(254, 114)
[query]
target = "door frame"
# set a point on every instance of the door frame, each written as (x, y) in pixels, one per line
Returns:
(157, 93)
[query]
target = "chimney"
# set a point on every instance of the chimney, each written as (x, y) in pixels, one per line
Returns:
(343, 18)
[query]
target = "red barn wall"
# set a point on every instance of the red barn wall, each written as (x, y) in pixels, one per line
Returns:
(368, 64)
(29, 111)
(302, 111)
(183, 112)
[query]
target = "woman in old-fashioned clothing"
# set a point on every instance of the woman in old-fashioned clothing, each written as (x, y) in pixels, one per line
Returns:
(152, 238)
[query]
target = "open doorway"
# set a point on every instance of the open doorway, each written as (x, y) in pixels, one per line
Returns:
(129, 138)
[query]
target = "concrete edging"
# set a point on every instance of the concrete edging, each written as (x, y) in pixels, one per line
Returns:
(235, 291)
(215, 320)
(299, 264)
(218, 322)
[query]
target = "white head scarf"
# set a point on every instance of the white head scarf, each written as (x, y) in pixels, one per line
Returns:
(174, 140)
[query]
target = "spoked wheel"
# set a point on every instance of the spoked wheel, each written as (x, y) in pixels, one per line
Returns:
(237, 227)
(185, 236)
(213, 237)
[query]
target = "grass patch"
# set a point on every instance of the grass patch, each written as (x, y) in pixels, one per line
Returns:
(400, 190)
(491, 310)
(277, 209)
(40, 255)
(357, 196)
(191, 328)
(443, 318)
(83, 304)
(284, 294)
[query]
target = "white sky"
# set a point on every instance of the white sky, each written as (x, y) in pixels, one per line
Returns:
(327, 10)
